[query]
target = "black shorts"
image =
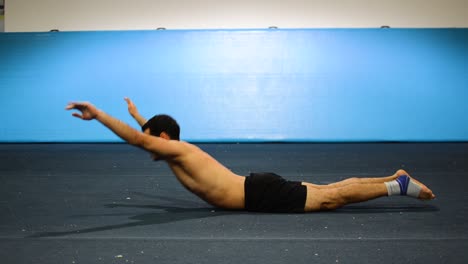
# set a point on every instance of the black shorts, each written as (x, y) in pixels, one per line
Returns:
(268, 192)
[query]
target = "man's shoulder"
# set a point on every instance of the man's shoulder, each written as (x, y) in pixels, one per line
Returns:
(184, 151)
(186, 145)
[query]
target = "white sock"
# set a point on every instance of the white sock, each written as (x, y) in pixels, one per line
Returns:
(393, 188)
(403, 185)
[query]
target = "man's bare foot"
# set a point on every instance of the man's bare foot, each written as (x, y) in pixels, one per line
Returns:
(425, 193)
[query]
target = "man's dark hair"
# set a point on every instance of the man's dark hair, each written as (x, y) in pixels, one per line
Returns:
(163, 123)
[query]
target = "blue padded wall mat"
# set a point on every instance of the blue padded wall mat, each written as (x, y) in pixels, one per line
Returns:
(241, 85)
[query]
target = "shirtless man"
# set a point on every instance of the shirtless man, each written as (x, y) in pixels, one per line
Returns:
(260, 192)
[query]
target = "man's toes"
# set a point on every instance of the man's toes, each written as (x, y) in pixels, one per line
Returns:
(426, 194)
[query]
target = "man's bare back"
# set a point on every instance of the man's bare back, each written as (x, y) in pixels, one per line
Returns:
(207, 178)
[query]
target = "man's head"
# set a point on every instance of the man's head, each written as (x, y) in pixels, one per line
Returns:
(162, 125)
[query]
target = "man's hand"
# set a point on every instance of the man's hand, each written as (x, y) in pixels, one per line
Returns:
(134, 112)
(131, 107)
(88, 111)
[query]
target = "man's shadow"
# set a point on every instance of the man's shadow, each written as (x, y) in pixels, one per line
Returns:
(166, 214)
(169, 214)
(386, 208)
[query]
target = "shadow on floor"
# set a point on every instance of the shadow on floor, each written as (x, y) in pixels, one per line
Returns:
(189, 210)
(185, 210)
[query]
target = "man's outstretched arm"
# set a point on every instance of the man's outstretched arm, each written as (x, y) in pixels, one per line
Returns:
(124, 131)
(132, 109)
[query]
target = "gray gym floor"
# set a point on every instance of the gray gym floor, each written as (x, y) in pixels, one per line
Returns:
(109, 203)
